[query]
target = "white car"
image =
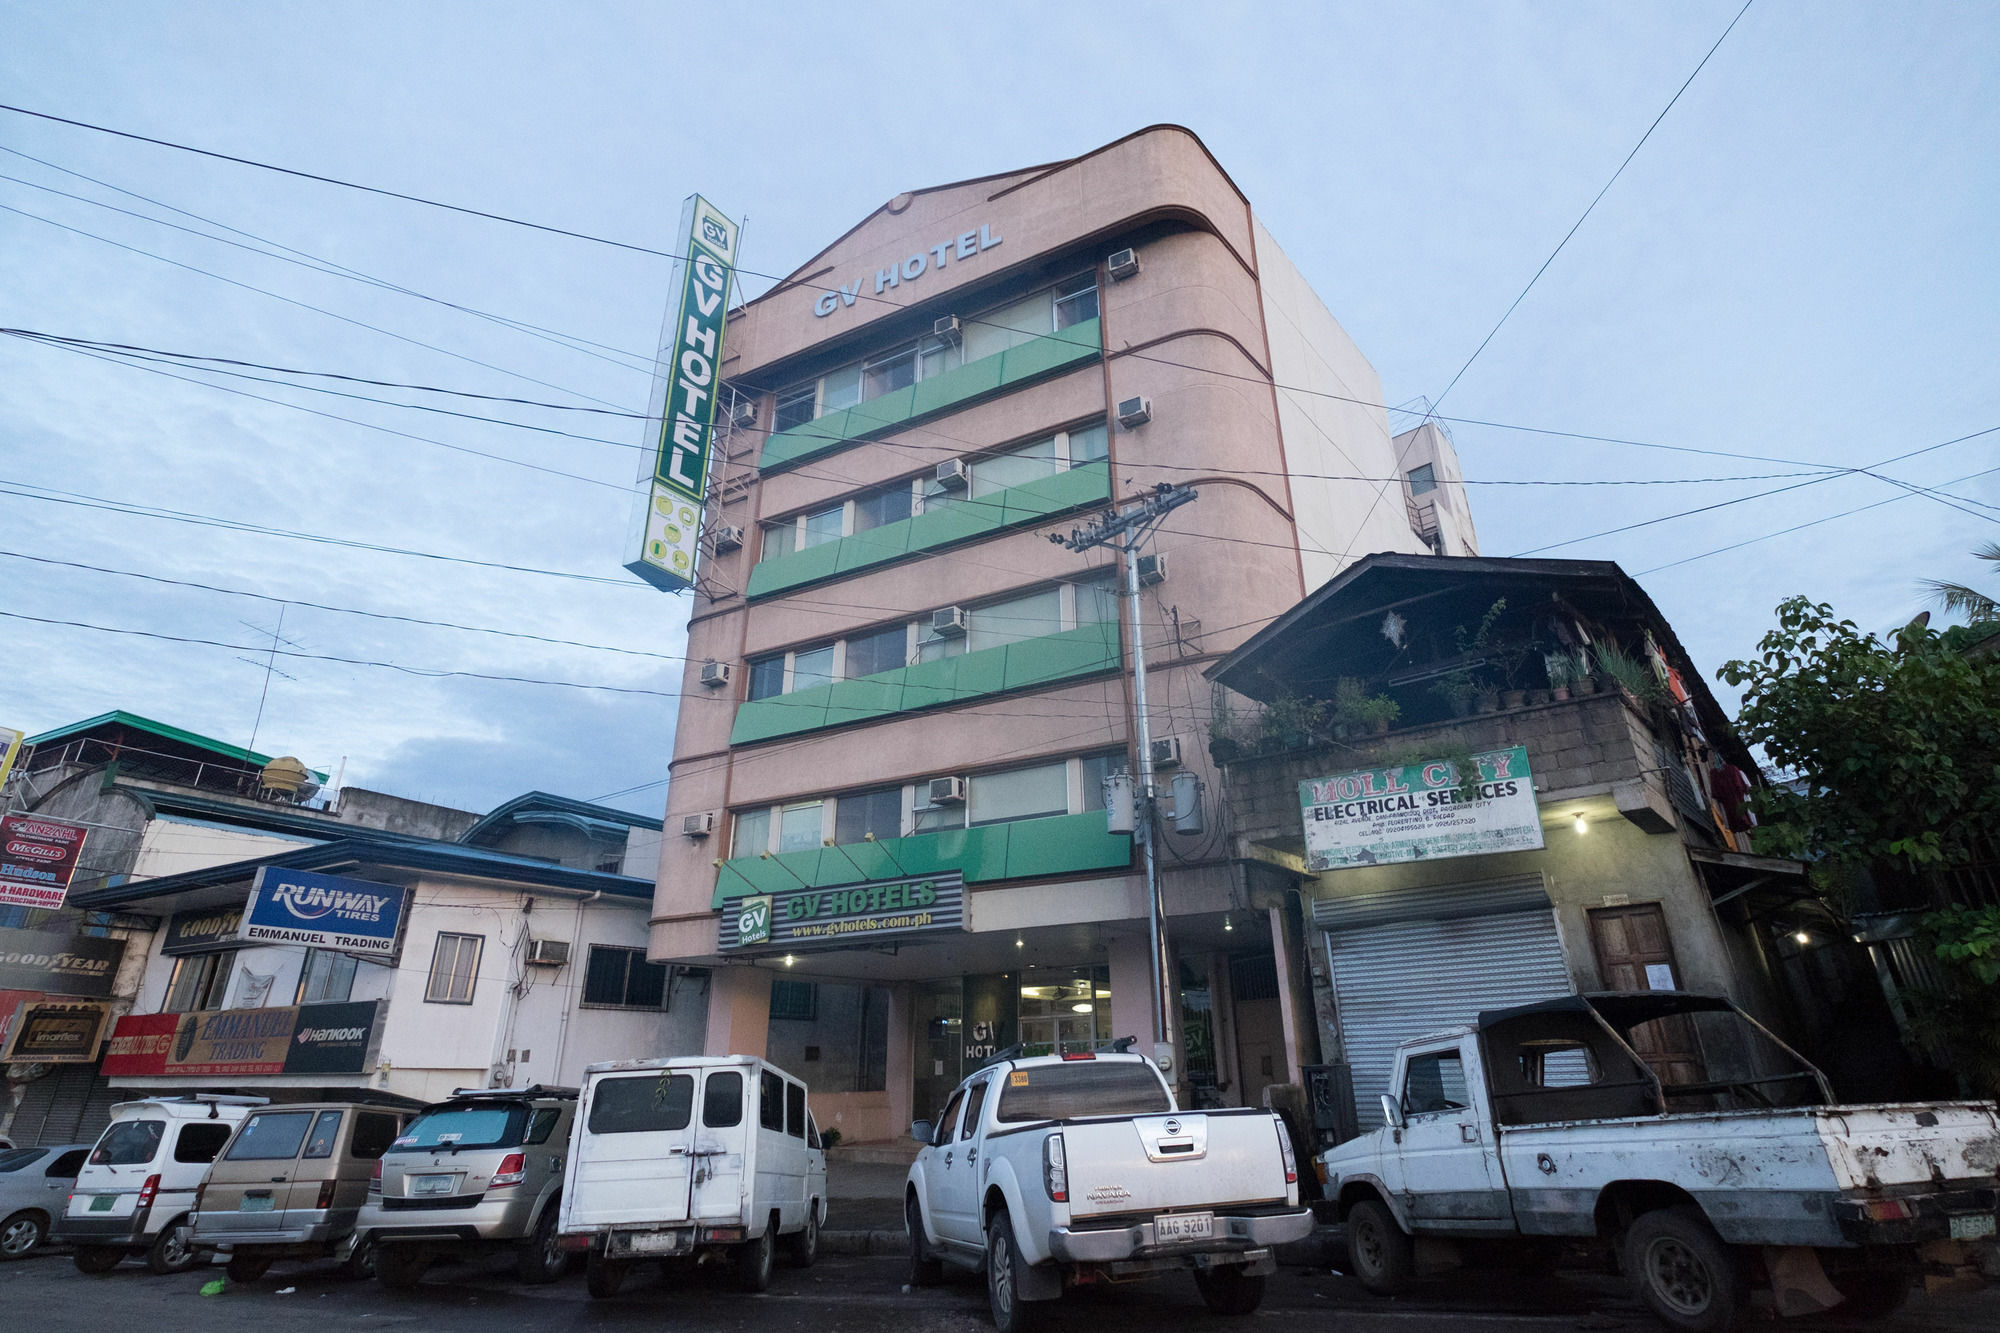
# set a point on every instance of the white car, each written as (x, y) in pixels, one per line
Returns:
(681, 1158)
(1064, 1170)
(34, 1187)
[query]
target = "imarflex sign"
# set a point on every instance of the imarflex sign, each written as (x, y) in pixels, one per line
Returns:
(674, 483)
(323, 911)
(963, 246)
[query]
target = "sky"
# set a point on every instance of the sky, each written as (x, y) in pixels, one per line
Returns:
(1797, 265)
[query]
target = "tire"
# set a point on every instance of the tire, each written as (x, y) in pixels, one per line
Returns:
(750, 1262)
(1870, 1295)
(359, 1266)
(1230, 1291)
(1683, 1272)
(1379, 1252)
(802, 1246)
(926, 1270)
(603, 1277)
(400, 1267)
(243, 1268)
(173, 1251)
(1010, 1313)
(97, 1258)
(539, 1261)
(22, 1234)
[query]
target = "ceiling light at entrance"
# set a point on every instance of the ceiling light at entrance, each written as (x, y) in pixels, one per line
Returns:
(1802, 937)
(1582, 824)
(1020, 943)
(1081, 1008)
(1228, 922)
(788, 960)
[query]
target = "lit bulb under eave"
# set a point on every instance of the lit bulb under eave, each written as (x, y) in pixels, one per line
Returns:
(1582, 825)
(1228, 923)
(1802, 937)
(788, 960)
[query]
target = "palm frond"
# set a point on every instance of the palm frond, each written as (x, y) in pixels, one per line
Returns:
(1958, 599)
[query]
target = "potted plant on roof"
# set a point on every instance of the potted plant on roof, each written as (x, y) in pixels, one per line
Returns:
(1562, 673)
(1379, 712)
(1634, 679)
(1583, 680)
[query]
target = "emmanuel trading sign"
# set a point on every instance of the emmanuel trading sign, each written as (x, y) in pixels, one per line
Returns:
(323, 911)
(1417, 813)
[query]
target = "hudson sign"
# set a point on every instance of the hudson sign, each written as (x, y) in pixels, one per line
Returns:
(323, 911)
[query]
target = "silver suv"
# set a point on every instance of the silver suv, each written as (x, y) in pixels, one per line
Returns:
(468, 1176)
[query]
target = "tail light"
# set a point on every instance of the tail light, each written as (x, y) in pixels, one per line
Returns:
(1079, 1055)
(148, 1190)
(325, 1199)
(1055, 1169)
(375, 1178)
(1285, 1145)
(513, 1170)
(1886, 1210)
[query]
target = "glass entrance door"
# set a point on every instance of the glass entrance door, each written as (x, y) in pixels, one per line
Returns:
(1065, 1009)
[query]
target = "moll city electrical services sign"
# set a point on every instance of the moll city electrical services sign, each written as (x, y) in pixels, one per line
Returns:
(674, 482)
(1377, 815)
(858, 914)
(323, 911)
(293, 1039)
(37, 858)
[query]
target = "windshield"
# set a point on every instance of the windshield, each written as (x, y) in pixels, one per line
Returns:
(13, 1159)
(464, 1126)
(1081, 1088)
(270, 1137)
(128, 1143)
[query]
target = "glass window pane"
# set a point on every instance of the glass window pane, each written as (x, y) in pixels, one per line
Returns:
(1016, 467)
(647, 1103)
(1096, 768)
(1009, 326)
(767, 677)
(864, 812)
(880, 508)
(796, 407)
(325, 1134)
(931, 818)
(753, 832)
(771, 1102)
(821, 528)
(795, 1110)
(1024, 793)
(1028, 617)
(272, 1137)
(1087, 445)
(799, 828)
(884, 650)
(812, 666)
(1423, 479)
(1097, 602)
(722, 1099)
(646, 983)
(841, 388)
(1076, 306)
(935, 647)
(893, 372)
(328, 978)
(604, 974)
(780, 539)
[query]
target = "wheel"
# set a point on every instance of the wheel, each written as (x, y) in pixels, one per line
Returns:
(540, 1259)
(751, 1261)
(173, 1251)
(926, 1270)
(359, 1264)
(1230, 1290)
(96, 1258)
(1011, 1314)
(20, 1234)
(400, 1267)
(1681, 1268)
(1378, 1251)
(802, 1246)
(1873, 1294)
(604, 1276)
(243, 1268)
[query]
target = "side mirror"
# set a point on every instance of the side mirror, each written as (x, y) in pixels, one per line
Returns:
(922, 1131)
(1392, 1111)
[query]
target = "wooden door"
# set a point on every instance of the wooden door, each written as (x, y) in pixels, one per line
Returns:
(1634, 953)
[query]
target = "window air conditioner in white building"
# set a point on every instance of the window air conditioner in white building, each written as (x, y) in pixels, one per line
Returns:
(953, 474)
(948, 329)
(948, 622)
(946, 791)
(548, 953)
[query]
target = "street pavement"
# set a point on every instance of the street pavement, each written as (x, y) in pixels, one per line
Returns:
(841, 1294)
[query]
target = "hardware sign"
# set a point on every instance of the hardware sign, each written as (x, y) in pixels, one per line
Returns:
(37, 858)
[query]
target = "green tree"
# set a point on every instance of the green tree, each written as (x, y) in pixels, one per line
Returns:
(1959, 598)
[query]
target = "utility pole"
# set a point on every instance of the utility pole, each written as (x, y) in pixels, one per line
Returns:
(1127, 530)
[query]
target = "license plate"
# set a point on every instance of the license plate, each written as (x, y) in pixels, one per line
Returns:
(431, 1184)
(256, 1203)
(1184, 1226)
(654, 1242)
(1972, 1226)
(104, 1203)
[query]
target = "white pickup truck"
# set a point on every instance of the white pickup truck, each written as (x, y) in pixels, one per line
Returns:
(1543, 1123)
(1065, 1170)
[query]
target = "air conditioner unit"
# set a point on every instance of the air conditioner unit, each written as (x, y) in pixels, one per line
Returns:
(698, 826)
(1122, 264)
(947, 791)
(1167, 752)
(743, 412)
(948, 622)
(714, 674)
(548, 953)
(953, 474)
(1134, 412)
(949, 329)
(728, 537)
(1152, 569)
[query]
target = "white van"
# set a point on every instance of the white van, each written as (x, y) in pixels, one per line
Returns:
(136, 1192)
(683, 1158)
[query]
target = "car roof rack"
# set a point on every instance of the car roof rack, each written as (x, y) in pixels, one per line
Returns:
(513, 1094)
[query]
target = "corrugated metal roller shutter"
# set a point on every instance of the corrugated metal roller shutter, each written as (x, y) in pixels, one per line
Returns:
(1407, 972)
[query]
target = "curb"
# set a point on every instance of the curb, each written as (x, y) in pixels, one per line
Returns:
(863, 1242)
(1323, 1248)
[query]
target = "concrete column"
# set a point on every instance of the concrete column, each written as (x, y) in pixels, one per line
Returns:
(1132, 989)
(1289, 969)
(739, 1012)
(901, 1067)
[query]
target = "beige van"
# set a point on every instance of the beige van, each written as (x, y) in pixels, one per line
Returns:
(291, 1183)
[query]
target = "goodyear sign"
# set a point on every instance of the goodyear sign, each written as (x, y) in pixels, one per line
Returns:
(687, 381)
(853, 914)
(323, 911)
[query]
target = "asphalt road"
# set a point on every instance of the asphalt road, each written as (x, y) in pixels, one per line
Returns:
(841, 1294)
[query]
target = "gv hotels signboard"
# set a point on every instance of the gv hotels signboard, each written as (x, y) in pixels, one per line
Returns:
(323, 911)
(674, 484)
(857, 914)
(1374, 816)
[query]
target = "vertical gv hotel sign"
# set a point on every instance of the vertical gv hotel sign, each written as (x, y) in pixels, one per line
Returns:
(674, 483)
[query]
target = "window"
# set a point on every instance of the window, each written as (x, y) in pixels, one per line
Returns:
(373, 1133)
(467, 1126)
(883, 650)
(897, 370)
(609, 864)
(1434, 1082)
(648, 1104)
(948, 1121)
(801, 827)
(454, 967)
(780, 539)
(325, 1135)
(1085, 1087)
(128, 1143)
(797, 406)
(975, 1099)
(794, 1001)
(753, 833)
(878, 509)
(823, 527)
(795, 1110)
(771, 1102)
(16, 1159)
(1423, 479)
(1021, 793)
(543, 1125)
(1097, 602)
(812, 666)
(722, 1099)
(1076, 300)
(1030, 617)
(67, 1165)
(865, 812)
(1088, 445)
(272, 1137)
(767, 676)
(622, 978)
(1017, 467)
(327, 978)
(199, 982)
(201, 1141)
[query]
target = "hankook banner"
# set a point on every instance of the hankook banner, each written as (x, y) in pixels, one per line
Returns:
(37, 858)
(857, 914)
(1417, 813)
(293, 1039)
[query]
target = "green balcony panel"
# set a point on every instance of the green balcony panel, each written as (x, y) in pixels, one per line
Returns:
(1040, 661)
(1030, 503)
(1024, 849)
(976, 379)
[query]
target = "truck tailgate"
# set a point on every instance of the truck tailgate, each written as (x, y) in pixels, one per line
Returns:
(1159, 1163)
(1910, 1143)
